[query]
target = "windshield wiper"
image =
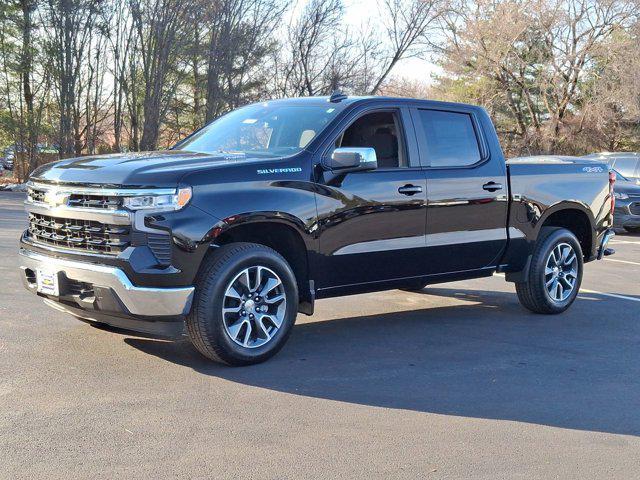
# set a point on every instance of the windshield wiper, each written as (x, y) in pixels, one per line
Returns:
(231, 152)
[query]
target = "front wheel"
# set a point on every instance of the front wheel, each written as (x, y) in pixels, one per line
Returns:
(245, 304)
(555, 273)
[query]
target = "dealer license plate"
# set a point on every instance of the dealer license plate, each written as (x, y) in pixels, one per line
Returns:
(47, 282)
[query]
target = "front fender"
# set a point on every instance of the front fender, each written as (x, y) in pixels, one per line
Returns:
(284, 201)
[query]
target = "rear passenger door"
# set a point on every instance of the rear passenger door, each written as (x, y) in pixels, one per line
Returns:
(466, 191)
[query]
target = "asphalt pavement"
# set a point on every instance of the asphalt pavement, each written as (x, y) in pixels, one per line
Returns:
(457, 381)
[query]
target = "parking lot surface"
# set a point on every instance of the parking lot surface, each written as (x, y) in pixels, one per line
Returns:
(457, 381)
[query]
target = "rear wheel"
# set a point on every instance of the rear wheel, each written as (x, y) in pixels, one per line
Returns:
(555, 273)
(245, 304)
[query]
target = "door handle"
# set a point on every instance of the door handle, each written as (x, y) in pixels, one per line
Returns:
(492, 186)
(410, 189)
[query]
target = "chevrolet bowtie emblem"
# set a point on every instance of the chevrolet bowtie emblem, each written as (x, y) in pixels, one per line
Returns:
(55, 199)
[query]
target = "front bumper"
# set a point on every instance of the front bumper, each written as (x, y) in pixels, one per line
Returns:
(104, 289)
(627, 213)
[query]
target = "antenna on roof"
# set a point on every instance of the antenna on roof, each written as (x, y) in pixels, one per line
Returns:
(337, 96)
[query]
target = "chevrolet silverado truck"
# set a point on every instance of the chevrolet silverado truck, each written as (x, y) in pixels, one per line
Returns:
(248, 221)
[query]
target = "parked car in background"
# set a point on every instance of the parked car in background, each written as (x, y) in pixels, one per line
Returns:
(626, 163)
(627, 211)
(9, 154)
(7, 159)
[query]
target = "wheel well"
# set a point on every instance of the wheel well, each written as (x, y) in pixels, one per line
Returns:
(283, 239)
(577, 222)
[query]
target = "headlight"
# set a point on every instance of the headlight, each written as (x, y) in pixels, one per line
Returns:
(174, 201)
(620, 195)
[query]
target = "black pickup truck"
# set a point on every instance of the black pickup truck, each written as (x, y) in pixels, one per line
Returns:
(232, 232)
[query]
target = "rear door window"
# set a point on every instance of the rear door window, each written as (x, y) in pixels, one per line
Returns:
(450, 138)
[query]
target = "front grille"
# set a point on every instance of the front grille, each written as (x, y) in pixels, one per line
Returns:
(635, 208)
(94, 201)
(77, 200)
(36, 195)
(81, 235)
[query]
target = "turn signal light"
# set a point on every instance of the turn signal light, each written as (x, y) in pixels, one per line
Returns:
(184, 195)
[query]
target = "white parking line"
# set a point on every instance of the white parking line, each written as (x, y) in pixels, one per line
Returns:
(616, 242)
(595, 292)
(621, 261)
(613, 295)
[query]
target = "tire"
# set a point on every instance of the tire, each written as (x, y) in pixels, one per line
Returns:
(632, 229)
(539, 293)
(221, 283)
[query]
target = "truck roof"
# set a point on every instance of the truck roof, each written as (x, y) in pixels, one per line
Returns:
(347, 100)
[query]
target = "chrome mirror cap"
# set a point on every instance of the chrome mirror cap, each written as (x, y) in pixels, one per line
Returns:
(353, 158)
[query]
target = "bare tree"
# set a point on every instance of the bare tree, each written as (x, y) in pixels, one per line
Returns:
(99, 75)
(409, 23)
(70, 26)
(26, 72)
(240, 38)
(610, 111)
(532, 58)
(314, 47)
(24, 81)
(121, 40)
(160, 25)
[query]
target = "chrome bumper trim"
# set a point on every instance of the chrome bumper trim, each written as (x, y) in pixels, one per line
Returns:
(608, 235)
(143, 301)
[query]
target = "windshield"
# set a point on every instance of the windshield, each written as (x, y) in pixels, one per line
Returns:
(262, 130)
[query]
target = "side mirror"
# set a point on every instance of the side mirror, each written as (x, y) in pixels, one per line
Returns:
(352, 159)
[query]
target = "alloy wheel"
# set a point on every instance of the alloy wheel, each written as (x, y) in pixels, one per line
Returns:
(254, 306)
(561, 272)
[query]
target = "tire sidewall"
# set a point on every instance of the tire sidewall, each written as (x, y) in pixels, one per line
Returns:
(542, 255)
(214, 299)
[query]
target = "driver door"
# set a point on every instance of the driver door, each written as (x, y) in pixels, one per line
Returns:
(372, 223)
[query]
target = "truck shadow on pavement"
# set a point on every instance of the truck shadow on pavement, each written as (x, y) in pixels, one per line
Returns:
(493, 360)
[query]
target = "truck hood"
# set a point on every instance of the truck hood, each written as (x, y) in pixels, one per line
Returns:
(145, 169)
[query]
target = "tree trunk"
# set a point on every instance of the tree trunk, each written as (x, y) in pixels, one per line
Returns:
(195, 65)
(151, 128)
(28, 6)
(67, 84)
